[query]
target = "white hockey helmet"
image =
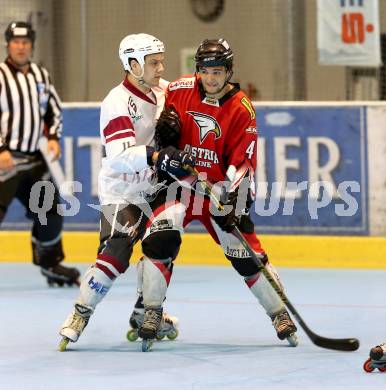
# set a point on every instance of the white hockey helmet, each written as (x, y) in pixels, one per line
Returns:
(138, 46)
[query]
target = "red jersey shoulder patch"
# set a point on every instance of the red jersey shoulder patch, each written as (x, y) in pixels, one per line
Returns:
(247, 104)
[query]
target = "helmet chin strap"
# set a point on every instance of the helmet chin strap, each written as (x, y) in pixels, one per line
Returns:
(140, 79)
(226, 82)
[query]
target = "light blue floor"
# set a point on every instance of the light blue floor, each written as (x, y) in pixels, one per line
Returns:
(226, 341)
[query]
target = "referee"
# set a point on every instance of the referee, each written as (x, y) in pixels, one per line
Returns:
(30, 109)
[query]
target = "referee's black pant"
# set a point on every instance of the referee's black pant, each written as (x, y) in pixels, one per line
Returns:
(46, 237)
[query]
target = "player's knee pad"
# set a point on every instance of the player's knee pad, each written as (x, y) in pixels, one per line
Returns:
(155, 280)
(139, 276)
(162, 244)
(47, 256)
(262, 289)
(114, 255)
(246, 266)
(94, 286)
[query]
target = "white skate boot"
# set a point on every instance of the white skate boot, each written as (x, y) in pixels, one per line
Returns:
(74, 325)
(168, 327)
(285, 327)
(148, 330)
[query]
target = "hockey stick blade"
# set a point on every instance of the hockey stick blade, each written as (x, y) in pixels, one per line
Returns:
(336, 344)
(348, 344)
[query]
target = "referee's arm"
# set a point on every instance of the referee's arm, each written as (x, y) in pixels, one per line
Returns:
(53, 118)
(6, 161)
(2, 143)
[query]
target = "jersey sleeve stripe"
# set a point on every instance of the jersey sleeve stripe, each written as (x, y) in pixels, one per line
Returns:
(127, 134)
(126, 131)
(117, 124)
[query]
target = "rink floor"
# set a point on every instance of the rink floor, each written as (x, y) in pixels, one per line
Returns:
(226, 341)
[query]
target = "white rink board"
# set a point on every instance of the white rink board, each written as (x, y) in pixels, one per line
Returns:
(376, 144)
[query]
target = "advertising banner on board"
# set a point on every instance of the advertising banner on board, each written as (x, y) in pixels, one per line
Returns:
(311, 177)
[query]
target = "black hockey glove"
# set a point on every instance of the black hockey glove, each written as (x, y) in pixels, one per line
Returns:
(174, 161)
(227, 222)
(167, 129)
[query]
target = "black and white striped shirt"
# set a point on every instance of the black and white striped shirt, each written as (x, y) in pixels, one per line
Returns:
(29, 108)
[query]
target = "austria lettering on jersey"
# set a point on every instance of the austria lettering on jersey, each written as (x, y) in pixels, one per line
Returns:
(205, 157)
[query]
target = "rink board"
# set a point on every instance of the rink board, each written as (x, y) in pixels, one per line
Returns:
(300, 143)
(199, 249)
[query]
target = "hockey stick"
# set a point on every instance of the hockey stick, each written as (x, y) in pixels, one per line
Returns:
(349, 344)
(20, 164)
(55, 169)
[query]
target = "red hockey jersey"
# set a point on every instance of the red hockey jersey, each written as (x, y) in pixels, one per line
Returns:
(219, 133)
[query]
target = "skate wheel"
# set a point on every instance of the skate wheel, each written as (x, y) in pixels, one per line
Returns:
(55, 283)
(382, 369)
(146, 345)
(368, 366)
(63, 344)
(172, 335)
(293, 340)
(72, 283)
(159, 337)
(132, 335)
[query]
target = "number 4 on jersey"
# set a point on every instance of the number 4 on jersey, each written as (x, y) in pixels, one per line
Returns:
(250, 149)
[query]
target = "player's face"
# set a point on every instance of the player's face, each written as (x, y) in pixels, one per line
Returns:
(153, 69)
(20, 50)
(213, 78)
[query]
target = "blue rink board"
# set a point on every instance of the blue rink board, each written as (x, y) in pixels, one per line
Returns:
(344, 127)
(226, 340)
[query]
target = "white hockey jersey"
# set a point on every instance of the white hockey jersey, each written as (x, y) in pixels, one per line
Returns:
(127, 125)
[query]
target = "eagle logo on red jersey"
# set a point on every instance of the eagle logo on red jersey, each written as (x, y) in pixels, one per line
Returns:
(206, 124)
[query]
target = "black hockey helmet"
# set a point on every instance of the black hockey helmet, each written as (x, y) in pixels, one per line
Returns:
(214, 52)
(19, 29)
